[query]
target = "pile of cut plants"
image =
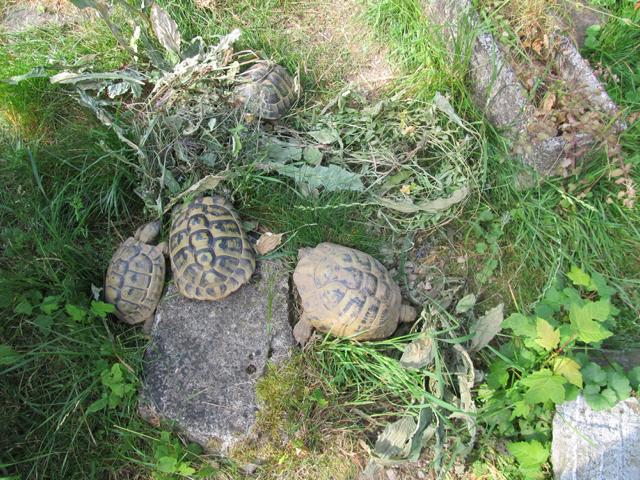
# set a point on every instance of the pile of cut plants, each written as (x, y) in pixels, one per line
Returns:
(466, 391)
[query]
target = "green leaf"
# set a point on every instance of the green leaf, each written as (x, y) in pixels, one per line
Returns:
(98, 405)
(50, 304)
(571, 393)
(599, 310)
(578, 277)
(167, 464)
(634, 377)
(77, 314)
(185, 469)
(530, 456)
(587, 330)
(85, 3)
(466, 303)
(569, 369)
(593, 373)
(101, 309)
(548, 338)
(332, 178)
(325, 136)
(600, 284)
(498, 375)
(520, 409)
(8, 356)
(544, 386)
(600, 401)
(44, 323)
(24, 308)
(619, 383)
(521, 325)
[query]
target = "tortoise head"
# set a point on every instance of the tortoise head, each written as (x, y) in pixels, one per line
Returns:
(147, 232)
(407, 313)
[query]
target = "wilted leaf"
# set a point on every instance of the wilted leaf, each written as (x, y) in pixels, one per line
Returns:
(312, 155)
(332, 178)
(418, 353)
(428, 206)
(395, 441)
(165, 28)
(443, 104)
(207, 183)
(487, 327)
(268, 242)
(466, 303)
(282, 152)
(85, 3)
(325, 136)
(117, 89)
(37, 72)
(548, 102)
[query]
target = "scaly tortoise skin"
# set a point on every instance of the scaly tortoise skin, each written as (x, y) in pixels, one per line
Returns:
(211, 256)
(135, 276)
(347, 293)
(266, 90)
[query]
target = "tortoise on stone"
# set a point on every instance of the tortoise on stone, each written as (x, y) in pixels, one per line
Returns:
(135, 276)
(211, 256)
(266, 90)
(346, 292)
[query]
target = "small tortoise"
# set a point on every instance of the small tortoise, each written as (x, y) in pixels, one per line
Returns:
(347, 293)
(266, 90)
(135, 276)
(211, 256)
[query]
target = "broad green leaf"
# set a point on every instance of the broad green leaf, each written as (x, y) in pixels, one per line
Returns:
(587, 330)
(599, 310)
(571, 393)
(8, 356)
(619, 383)
(530, 456)
(498, 375)
(101, 309)
(487, 327)
(520, 409)
(544, 386)
(593, 373)
(578, 277)
(634, 377)
(44, 323)
(548, 338)
(332, 178)
(24, 308)
(569, 369)
(167, 464)
(85, 3)
(77, 314)
(601, 401)
(466, 303)
(185, 469)
(521, 325)
(600, 284)
(98, 405)
(50, 304)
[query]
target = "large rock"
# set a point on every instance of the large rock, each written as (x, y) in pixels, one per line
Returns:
(204, 358)
(590, 445)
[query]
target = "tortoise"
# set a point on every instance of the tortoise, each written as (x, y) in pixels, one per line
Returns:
(211, 256)
(266, 90)
(135, 276)
(348, 293)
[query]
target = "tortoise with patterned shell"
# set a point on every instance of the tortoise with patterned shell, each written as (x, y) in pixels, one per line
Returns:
(347, 293)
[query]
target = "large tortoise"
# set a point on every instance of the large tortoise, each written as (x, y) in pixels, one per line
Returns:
(211, 256)
(135, 276)
(266, 90)
(346, 292)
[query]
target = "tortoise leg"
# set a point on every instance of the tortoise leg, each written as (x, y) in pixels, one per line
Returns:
(302, 331)
(164, 248)
(147, 325)
(407, 313)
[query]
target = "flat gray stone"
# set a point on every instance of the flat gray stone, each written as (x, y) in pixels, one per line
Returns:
(590, 445)
(205, 358)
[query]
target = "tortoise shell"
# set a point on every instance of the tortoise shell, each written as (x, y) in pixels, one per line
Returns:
(135, 279)
(266, 90)
(211, 256)
(346, 292)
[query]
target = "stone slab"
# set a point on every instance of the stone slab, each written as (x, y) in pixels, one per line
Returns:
(205, 358)
(590, 445)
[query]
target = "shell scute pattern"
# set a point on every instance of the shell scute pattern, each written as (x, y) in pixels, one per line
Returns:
(134, 281)
(266, 90)
(211, 256)
(347, 292)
